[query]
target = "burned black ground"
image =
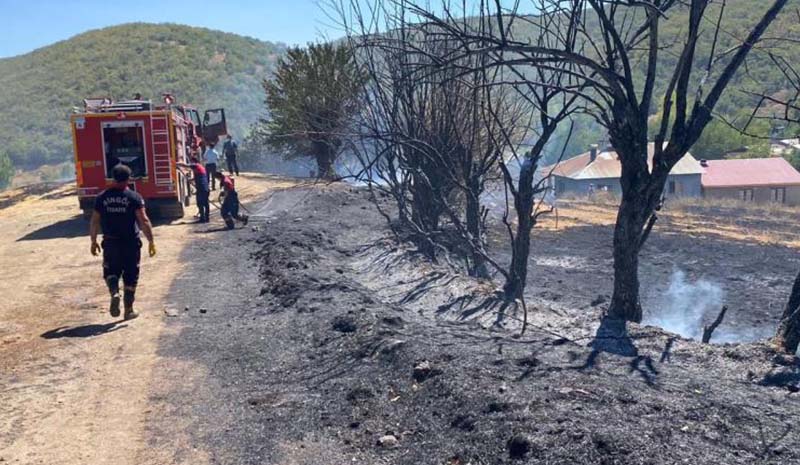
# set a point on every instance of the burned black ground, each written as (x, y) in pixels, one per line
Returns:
(316, 321)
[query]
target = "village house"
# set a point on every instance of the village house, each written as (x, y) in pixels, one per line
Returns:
(780, 147)
(600, 170)
(759, 180)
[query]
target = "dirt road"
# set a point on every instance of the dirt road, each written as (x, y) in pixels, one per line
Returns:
(76, 384)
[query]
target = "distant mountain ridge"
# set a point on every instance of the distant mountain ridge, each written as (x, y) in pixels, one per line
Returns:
(199, 66)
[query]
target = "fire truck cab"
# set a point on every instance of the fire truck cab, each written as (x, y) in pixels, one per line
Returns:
(150, 139)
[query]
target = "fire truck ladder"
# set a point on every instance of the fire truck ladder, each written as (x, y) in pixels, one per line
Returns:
(159, 141)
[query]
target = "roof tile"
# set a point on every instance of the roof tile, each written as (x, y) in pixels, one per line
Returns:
(750, 172)
(606, 165)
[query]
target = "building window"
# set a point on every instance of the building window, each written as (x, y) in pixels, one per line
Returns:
(746, 195)
(779, 194)
(671, 187)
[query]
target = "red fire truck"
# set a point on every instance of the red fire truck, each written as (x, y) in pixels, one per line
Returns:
(147, 137)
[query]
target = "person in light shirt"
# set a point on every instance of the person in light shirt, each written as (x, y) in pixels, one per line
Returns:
(212, 158)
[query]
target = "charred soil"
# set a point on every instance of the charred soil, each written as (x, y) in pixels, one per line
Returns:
(324, 341)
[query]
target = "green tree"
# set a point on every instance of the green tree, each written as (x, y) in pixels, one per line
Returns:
(719, 139)
(310, 100)
(6, 170)
(793, 157)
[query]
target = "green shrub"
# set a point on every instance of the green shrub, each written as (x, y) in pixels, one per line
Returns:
(6, 170)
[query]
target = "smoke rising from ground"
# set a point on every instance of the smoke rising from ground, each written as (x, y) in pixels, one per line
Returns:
(686, 306)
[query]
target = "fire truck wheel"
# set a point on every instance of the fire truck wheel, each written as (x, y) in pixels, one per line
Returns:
(170, 210)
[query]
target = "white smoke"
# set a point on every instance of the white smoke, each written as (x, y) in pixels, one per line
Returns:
(685, 306)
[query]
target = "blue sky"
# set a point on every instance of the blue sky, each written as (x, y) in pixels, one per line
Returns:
(30, 24)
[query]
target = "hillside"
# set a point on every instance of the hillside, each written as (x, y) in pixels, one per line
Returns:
(210, 68)
(759, 75)
(199, 66)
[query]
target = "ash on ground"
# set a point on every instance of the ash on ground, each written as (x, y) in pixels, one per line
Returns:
(352, 349)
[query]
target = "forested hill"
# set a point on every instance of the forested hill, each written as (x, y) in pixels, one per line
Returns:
(758, 75)
(211, 68)
(199, 66)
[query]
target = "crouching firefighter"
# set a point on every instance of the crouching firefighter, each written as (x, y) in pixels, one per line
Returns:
(230, 202)
(119, 212)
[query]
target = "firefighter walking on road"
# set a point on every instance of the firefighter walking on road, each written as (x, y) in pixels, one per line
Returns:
(119, 213)
(230, 202)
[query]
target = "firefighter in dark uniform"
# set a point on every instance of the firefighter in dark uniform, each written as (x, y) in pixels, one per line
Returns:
(230, 201)
(231, 150)
(119, 212)
(200, 187)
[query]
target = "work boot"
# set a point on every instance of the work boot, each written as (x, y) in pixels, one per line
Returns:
(130, 313)
(245, 219)
(113, 309)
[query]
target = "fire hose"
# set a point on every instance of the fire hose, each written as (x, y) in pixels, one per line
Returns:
(221, 201)
(229, 220)
(193, 191)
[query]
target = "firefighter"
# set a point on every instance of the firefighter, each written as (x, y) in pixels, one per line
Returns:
(231, 149)
(212, 158)
(119, 212)
(230, 201)
(200, 187)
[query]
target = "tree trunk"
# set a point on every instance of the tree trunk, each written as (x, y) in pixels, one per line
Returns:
(520, 251)
(477, 266)
(521, 243)
(425, 214)
(794, 299)
(631, 219)
(641, 195)
(788, 336)
(325, 169)
(425, 211)
(325, 155)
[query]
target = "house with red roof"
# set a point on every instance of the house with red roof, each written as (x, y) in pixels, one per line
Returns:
(759, 180)
(599, 170)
